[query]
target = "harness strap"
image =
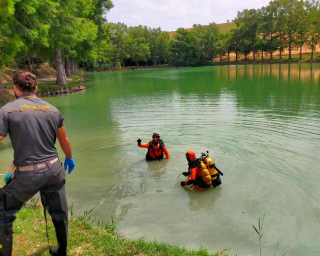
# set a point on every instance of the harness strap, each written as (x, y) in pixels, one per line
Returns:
(154, 153)
(214, 166)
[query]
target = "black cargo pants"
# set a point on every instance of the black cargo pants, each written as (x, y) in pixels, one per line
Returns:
(49, 180)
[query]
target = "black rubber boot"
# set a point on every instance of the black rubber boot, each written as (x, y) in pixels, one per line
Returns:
(5, 245)
(62, 235)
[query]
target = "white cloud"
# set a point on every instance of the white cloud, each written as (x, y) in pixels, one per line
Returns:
(172, 14)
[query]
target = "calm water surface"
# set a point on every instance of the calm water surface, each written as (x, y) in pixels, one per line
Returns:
(260, 123)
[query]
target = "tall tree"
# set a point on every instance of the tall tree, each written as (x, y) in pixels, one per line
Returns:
(73, 32)
(280, 26)
(222, 46)
(291, 22)
(302, 25)
(152, 41)
(267, 28)
(247, 24)
(162, 50)
(313, 34)
(206, 38)
(183, 50)
(140, 50)
(236, 40)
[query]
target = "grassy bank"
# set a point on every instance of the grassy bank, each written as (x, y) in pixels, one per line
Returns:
(84, 238)
(44, 87)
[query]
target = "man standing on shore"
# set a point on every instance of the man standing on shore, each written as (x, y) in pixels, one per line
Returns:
(33, 126)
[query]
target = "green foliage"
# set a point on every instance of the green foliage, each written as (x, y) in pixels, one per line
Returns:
(313, 25)
(67, 33)
(140, 49)
(247, 23)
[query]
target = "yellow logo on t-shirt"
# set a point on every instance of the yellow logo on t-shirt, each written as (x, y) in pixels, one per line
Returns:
(36, 107)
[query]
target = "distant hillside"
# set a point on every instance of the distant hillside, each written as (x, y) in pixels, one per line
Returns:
(223, 27)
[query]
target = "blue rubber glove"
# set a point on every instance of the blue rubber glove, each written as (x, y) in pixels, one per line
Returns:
(69, 162)
(7, 177)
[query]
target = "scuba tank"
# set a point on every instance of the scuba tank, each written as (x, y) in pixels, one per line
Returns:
(204, 173)
(207, 172)
(213, 170)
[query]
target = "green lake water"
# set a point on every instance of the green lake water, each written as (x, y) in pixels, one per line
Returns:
(260, 123)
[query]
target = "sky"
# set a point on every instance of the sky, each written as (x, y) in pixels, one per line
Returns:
(173, 14)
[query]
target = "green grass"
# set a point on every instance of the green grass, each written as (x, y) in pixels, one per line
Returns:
(225, 27)
(85, 238)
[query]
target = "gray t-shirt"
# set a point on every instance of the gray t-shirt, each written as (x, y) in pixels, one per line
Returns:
(32, 125)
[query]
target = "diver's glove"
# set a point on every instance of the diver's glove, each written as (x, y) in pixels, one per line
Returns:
(139, 141)
(183, 183)
(7, 177)
(69, 162)
(188, 173)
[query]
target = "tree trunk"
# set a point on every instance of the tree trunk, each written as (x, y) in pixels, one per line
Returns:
(261, 55)
(137, 64)
(280, 50)
(254, 56)
(237, 56)
(220, 58)
(1, 83)
(290, 45)
(61, 79)
(71, 62)
(312, 49)
(68, 68)
(75, 66)
(146, 63)
(301, 44)
(64, 70)
(228, 57)
(271, 47)
(29, 63)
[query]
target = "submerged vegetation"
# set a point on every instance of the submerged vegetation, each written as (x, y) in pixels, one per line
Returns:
(74, 33)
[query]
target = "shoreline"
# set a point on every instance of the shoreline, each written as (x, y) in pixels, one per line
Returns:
(85, 238)
(48, 88)
(6, 95)
(215, 63)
